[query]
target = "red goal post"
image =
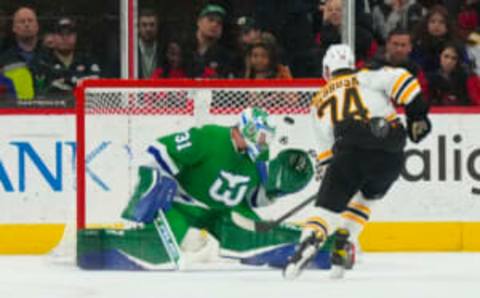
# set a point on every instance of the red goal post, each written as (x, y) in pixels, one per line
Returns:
(128, 113)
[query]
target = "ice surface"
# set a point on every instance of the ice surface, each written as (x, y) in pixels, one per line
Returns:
(438, 275)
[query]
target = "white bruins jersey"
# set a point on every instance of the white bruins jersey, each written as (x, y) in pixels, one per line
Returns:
(361, 95)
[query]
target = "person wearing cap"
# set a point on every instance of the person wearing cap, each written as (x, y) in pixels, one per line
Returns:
(248, 34)
(66, 66)
(210, 58)
(249, 30)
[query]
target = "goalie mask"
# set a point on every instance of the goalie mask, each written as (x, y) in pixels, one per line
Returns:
(338, 56)
(258, 132)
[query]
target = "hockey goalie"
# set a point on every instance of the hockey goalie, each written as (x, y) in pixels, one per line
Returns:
(210, 178)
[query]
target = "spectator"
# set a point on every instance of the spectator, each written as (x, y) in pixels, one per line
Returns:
(262, 62)
(433, 32)
(248, 34)
(452, 83)
(66, 66)
(25, 28)
(148, 47)
(21, 62)
(330, 33)
(393, 14)
(249, 31)
(210, 58)
(397, 53)
(174, 62)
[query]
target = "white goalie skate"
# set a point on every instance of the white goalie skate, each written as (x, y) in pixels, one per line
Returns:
(302, 257)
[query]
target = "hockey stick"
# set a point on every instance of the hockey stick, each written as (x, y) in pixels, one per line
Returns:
(168, 240)
(265, 226)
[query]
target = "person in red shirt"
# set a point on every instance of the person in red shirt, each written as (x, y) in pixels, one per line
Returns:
(453, 84)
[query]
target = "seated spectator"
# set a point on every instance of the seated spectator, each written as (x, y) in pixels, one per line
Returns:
(149, 51)
(209, 58)
(262, 62)
(66, 66)
(330, 33)
(248, 33)
(397, 53)
(433, 33)
(395, 14)
(452, 83)
(26, 53)
(174, 62)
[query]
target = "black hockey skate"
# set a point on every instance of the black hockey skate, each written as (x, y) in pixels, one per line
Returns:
(342, 254)
(305, 253)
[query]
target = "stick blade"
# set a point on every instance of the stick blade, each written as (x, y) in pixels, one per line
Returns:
(264, 226)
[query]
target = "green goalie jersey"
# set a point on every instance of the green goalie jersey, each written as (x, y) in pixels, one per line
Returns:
(207, 166)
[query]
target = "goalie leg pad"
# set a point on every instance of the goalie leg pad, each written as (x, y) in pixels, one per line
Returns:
(159, 196)
(109, 249)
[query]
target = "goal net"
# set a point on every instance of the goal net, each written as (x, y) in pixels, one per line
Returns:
(118, 119)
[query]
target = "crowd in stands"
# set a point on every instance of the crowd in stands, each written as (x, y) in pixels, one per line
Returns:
(437, 40)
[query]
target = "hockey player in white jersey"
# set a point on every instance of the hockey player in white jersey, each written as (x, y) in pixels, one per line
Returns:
(361, 143)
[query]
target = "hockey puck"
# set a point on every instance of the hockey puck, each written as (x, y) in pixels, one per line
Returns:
(289, 120)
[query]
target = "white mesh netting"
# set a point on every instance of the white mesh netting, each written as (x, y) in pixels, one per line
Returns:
(147, 101)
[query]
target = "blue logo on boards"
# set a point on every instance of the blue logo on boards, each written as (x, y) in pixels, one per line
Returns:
(30, 158)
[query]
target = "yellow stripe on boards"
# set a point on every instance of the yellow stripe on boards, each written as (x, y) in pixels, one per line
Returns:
(419, 236)
(29, 238)
(471, 236)
(377, 237)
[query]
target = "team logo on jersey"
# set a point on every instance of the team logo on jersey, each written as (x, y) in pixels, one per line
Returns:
(229, 189)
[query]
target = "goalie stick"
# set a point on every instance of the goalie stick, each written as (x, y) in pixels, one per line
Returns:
(168, 240)
(265, 226)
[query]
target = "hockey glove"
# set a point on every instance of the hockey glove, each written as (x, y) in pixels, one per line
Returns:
(418, 129)
(289, 172)
(320, 169)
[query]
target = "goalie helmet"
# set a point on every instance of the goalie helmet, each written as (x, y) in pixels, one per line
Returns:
(338, 56)
(257, 130)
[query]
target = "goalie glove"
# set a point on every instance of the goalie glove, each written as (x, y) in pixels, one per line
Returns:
(418, 129)
(289, 172)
